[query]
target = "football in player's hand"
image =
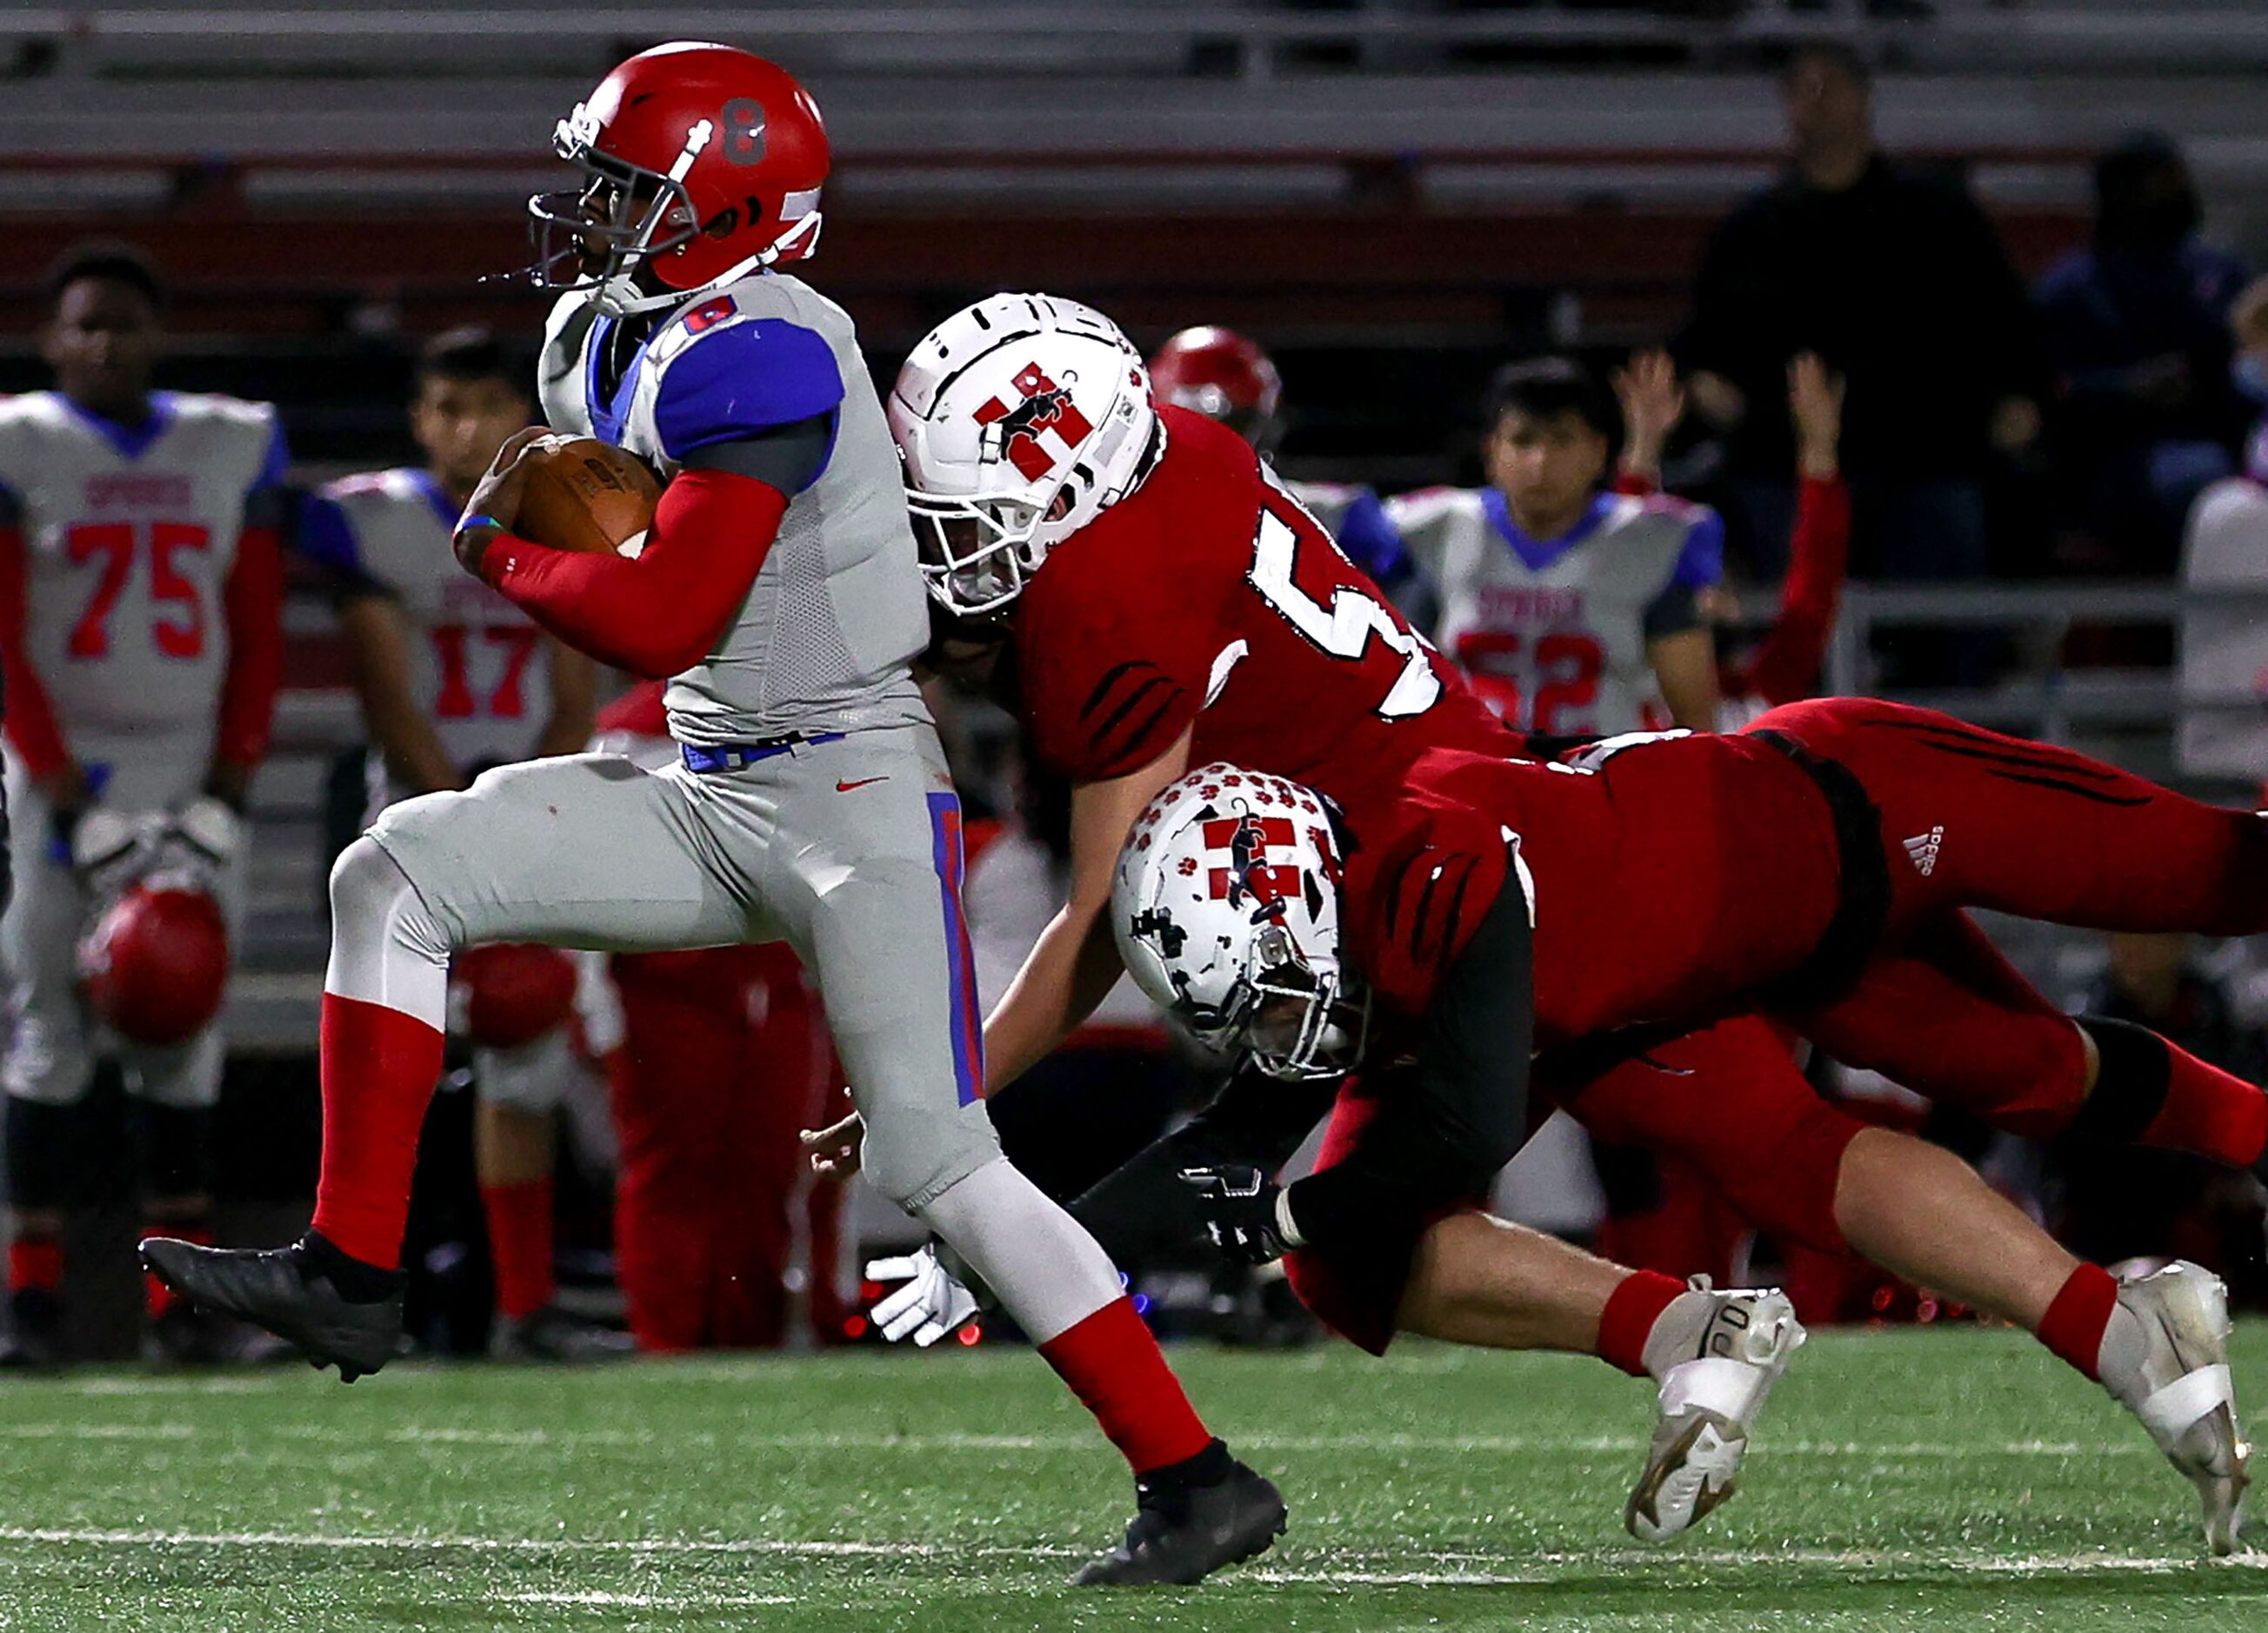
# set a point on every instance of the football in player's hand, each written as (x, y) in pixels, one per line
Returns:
(582, 494)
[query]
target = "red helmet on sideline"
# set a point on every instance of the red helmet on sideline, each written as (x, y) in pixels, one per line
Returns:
(1223, 376)
(701, 162)
(511, 992)
(154, 966)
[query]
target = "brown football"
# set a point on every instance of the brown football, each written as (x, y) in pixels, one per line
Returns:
(583, 494)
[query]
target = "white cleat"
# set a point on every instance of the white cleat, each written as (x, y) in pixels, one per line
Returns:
(2182, 1392)
(1707, 1405)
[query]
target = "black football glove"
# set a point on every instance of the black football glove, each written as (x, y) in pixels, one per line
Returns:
(1244, 1212)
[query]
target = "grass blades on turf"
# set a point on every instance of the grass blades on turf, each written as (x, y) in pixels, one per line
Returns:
(1955, 1478)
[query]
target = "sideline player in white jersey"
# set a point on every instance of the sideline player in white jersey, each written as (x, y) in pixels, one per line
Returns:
(455, 678)
(778, 587)
(1576, 610)
(141, 585)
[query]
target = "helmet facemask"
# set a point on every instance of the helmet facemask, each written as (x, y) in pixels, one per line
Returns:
(1295, 1022)
(624, 218)
(975, 553)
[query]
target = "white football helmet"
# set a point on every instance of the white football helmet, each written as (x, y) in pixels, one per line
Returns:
(1226, 905)
(1019, 419)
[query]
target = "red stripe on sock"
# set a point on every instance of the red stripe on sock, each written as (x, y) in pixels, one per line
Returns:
(35, 1264)
(2210, 1112)
(2073, 1326)
(379, 1067)
(519, 1244)
(1632, 1308)
(1113, 1365)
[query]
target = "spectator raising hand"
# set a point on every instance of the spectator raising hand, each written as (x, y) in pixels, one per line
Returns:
(1652, 403)
(1814, 404)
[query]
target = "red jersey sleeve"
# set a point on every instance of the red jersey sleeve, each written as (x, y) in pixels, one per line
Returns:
(1418, 882)
(1785, 667)
(1115, 654)
(253, 600)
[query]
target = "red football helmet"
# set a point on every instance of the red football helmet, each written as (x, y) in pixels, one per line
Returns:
(511, 992)
(701, 163)
(1224, 377)
(154, 966)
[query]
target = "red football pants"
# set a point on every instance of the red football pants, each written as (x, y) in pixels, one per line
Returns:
(724, 1058)
(1972, 818)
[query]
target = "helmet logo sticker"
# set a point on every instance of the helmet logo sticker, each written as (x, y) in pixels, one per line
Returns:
(1249, 875)
(744, 131)
(1014, 433)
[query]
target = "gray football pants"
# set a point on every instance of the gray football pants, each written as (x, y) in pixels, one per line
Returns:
(849, 850)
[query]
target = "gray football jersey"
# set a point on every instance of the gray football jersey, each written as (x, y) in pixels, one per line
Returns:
(827, 638)
(129, 541)
(479, 667)
(1554, 632)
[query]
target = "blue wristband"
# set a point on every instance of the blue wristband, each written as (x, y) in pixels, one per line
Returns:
(470, 522)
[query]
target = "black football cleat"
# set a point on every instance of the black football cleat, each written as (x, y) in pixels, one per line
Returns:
(292, 1294)
(1182, 1534)
(554, 1336)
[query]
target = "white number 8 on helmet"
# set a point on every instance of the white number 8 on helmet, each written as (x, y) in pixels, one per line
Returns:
(1226, 905)
(1019, 420)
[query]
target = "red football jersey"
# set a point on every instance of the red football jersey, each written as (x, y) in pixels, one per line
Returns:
(1208, 597)
(1668, 880)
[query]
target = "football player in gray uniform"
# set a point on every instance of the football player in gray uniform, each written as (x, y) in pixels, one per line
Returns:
(777, 588)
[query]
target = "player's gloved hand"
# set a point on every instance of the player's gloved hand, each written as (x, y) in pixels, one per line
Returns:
(836, 1151)
(495, 504)
(934, 1303)
(207, 829)
(1247, 1215)
(108, 849)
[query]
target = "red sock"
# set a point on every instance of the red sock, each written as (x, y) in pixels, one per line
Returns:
(379, 1067)
(519, 1244)
(2209, 1111)
(35, 1265)
(1632, 1308)
(157, 1297)
(1114, 1365)
(2073, 1326)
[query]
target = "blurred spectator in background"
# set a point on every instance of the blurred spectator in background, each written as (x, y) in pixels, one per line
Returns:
(140, 596)
(1900, 284)
(2223, 729)
(2135, 327)
(2120, 1202)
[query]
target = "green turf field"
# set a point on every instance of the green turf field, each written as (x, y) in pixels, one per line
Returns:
(1956, 1479)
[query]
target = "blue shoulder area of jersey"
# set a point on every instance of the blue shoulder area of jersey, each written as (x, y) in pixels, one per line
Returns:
(742, 379)
(1701, 563)
(326, 535)
(1372, 542)
(275, 463)
(1538, 554)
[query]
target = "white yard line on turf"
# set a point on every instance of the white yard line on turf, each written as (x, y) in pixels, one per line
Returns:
(568, 1440)
(649, 1601)
(1450, 1569)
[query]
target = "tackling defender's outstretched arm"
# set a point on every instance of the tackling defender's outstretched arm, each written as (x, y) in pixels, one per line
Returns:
(1075, 962)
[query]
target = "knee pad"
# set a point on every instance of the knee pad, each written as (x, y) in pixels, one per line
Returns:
(387, 947)
(2132, 1072)
(914, 1155)
(531, 1078)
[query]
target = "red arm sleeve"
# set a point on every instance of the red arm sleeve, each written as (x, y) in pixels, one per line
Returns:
(253, 601)
(663, 612)
(1786, 666)
(31, 728)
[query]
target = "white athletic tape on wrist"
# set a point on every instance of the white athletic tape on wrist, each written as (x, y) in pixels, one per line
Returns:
(1729, 1389)
(1285, 1226)
(2170, 1411)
